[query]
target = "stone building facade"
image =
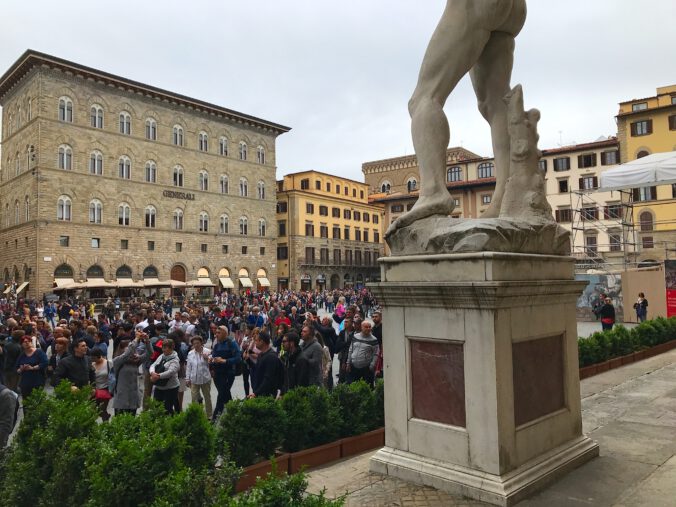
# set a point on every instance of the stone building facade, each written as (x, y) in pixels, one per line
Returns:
(104, 175)
(329, 236)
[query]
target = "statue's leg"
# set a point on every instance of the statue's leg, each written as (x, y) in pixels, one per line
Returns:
(491, 77)
(455, 47)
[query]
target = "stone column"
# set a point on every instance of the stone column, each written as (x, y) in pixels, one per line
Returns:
(482, 392)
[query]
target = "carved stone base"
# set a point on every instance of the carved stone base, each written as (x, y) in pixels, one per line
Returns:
(443, 235)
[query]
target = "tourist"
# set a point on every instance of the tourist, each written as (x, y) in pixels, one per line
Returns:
(291, 361)
(11, 351)
(225, 356)
(313, 356)
(164, 376)
(31, 365)
(343, 347)
(75, 368)
(129, 356)
(9, 408)
(377, 331)
(269, 373)
(100, 343)
(362, 355)
(607, 315)
(198, 377)
(60, 351)
(102, 368)
(641, 307)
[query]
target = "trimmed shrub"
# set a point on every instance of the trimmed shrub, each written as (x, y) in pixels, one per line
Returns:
(251, 430)
(355, 402)
(379, 400)
(193, 426)
(312, 419)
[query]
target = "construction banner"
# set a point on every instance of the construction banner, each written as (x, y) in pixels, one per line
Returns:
(670, 284)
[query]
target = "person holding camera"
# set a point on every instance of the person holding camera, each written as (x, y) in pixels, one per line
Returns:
(164, 376)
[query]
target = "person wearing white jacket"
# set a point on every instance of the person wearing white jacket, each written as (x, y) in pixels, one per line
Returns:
(197, 374)
(164, 377)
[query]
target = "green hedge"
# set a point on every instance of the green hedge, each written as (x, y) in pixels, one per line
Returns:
(620, 341)
(61, 456)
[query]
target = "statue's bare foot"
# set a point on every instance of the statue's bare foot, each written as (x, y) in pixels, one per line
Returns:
(425, 207)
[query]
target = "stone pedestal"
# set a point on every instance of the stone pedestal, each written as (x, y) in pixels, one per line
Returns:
(482, 393)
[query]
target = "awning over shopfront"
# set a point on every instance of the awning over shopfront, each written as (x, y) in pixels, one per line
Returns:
(65, 284)
(155, 282)
(658, 168)
(201, 282)
(176, 284)
(227, 283)
(96, 283)
(128, 283)
(21, 287)
(246, 282)
(264, 282)
(8, 289)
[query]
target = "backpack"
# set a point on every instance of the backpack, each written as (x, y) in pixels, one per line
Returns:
(157, 350)
(112, 379)
(16, 407)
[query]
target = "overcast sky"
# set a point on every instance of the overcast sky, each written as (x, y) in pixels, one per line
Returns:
(341, 73)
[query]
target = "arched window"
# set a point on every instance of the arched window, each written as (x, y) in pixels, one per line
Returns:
(151, 129)
(16, 212)
(177, 135)
(65, 157)
(178, 176)
(224, 184)
(94, 271)
(124, 168)
(223, 229)
(151, 172)
(485, 170)
(95, 211)
(243, 226)
(385, 187)
(203, 141)
(260, 155)
(123, 271)
(27, 208)
(411, 184)
(151, 215)
(96, 116)
(178, 219)
(150, 272)
(242, 150)
(261, 227)
(125, 123)
(61, 271)
(65, 109)
(243, 187)
(454, 174)
(260, 189)
(646, 221)
(223, 146)
(96, 163)
(642, 153)
(204, 222)
(203, 180)
(124, 214)
(63, 208)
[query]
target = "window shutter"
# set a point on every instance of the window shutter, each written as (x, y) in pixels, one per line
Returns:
(635, 194)
(557, 214)
(633, 129)
(593, 161)
(650, 126)
(596, 180)
(581, 184)
(580, 161)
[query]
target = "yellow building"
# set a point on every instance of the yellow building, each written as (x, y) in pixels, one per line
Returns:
(646, 126)
(329, 236)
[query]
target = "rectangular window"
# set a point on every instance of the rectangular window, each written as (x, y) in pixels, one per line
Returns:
(588, 160)
(564, 215)
(151, 246)
(641, 106)
(348, 257)
(337, 189)
(588, 182)
(375, 219)
(281, 229)
(612, 211)
(615, 240)
(245, 249)
(310, 230)
(318, 185)
(335, 212)
(361, 194)
(485, 199)
(610, 157)
(262, 250)
(336, 257)
(366, 217)
(96, 242)
(309, 208)
(357, 216)
(357, 234)
(224, 249)
(644, 194)
(179, 247)
(357, 257)
(672, 122)
(305, 184)
(347, 214)
(673, 190)
(323, 231)
(281, 207)
(647, 242)
(346, 233)
(328, 186)
(367, 258)
(376, 237)
(124, 244)
(203, 247)
(336, 232)
(591, 245)
(324, 255)
(309, 255)
(641, 128)
(563, 186)
(397, 208)
(366, 236)
(589, 213)
(324, 211)
(64, 240)
(562, 164)
(282, 253)
(542, 164)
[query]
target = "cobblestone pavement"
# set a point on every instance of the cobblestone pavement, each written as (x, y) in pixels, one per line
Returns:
(630, 411)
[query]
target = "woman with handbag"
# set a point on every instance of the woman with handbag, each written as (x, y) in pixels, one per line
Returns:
(164, 376)
(102, 376)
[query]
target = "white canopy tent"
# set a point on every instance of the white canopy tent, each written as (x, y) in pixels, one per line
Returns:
(655, 169)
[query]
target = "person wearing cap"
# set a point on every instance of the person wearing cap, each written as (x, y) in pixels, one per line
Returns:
(224, 357)
(197, 376)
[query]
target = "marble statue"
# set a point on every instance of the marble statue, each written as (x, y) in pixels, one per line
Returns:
(476, 36)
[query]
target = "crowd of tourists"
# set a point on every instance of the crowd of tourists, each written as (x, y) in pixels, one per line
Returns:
(129, 352)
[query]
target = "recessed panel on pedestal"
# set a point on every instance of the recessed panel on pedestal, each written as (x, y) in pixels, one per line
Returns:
(538, 378)
(438, 382)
